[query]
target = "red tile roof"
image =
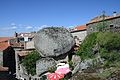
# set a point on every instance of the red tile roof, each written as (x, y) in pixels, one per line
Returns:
(3, 39)
(3, 45)
(3, 68)
(82, 27)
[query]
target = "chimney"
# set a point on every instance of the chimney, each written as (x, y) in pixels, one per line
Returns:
(16, 34)
(114, 14)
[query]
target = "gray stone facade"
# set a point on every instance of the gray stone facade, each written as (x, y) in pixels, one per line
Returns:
(109, 24)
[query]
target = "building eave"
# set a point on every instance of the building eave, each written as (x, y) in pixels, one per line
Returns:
(78, 31)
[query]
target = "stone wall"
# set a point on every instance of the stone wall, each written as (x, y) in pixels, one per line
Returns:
(109, 25)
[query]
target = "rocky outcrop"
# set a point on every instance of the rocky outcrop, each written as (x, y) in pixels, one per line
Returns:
(53, 44)
(114, 76)
(53, 41)
(44, 64)
(76, 69)
(75, 59)
(82, 66)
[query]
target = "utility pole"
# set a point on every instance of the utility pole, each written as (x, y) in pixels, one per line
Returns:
(103, 20)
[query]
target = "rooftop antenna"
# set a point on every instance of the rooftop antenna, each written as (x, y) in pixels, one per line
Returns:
(103, 13)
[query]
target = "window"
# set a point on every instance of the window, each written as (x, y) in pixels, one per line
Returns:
(21, 39)
(29, 39)
(111, 26)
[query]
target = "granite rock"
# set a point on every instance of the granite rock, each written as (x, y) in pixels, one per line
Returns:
(44, 64)
(53, 41)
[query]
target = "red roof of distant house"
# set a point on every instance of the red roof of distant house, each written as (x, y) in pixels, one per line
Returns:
(3, 39)
(79, 28)
(82, 27)
(3, 45)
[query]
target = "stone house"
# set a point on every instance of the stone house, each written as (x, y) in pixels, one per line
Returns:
(27, 45)
(12, 49)
(104, 23)
(4, 44)
(7, 59)
(79, 33)
(23, 38)
(26, 41)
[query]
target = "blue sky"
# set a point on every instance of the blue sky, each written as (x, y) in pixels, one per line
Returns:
(32, 15)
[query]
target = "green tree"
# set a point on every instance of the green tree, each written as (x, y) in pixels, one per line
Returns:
(30, 62)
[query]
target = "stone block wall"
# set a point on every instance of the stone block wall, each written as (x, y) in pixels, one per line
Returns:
(109, 25)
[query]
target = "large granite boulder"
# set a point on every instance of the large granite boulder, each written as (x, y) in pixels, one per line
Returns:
(53, 41)
(44, 64)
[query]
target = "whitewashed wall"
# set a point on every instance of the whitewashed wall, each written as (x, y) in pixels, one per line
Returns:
(30, 45)
(81, 35)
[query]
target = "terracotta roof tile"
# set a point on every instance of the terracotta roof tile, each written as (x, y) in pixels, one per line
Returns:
(82, 27)
(3, 45)
(2, 39)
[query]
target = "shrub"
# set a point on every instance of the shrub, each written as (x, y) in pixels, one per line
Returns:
(30, 62)
(85, 50)
(109, 40)
(109, 47)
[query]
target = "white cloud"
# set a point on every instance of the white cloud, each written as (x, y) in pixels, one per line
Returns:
(7, 29)
(29, 27)
(13, 24)
(13, 27)
(70, 26)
